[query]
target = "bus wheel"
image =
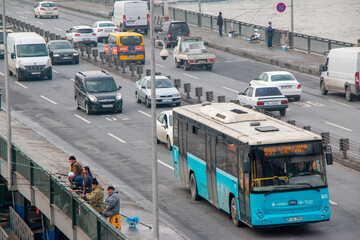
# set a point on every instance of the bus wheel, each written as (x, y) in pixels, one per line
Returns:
(193, 188)
(234, 213)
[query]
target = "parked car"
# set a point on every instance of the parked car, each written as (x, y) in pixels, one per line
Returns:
(96, 91)
(166, 93)
(82, 34)
(46, 9)
(285, 81)
(264, 97)
(103, 29)
(170, 31)
(164, 128)
(61, 51)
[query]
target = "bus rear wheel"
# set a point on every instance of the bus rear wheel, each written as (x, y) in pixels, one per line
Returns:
(193, 188)
(234, 213)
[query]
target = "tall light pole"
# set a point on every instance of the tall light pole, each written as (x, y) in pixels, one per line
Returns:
(6, 73)
(153, 128)
(292, 25)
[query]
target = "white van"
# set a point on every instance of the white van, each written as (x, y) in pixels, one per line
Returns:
(28, 56)
(131, 15)
(340, 72)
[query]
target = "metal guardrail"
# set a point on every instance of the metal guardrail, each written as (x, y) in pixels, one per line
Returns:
(311, 44)
(3, 234)
(20, 228)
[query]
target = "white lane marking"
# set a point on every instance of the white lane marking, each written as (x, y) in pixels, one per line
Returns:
(165, 164)
(41, 23)
(2, 74)
(146, 114)
(117, 138)
(82, 118)
(108, 119)
(23, 17)
(332, 124)
(59, 29)
(21, 85)
(71, 79)
(48, 99)
(231, 90)
(159, 65)
(55, 71)
(340, 103)
(333, 203)
(191, 76)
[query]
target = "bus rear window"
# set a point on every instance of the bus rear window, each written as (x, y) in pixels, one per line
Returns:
(131, 41)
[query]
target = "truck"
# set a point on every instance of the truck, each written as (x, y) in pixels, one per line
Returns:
(190, 52)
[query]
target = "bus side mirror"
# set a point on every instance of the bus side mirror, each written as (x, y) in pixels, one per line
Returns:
(329, 158)
(246, 168)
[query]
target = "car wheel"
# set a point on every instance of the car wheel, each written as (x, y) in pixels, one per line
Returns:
(297, 98)
(35, 15)
(168, 143)
(19, 78)
(77, 61)
(186, 66)
(49, 77)
(11, 73)
(323, 88)
(234, 212)
(348, 94)
(177, 64)
(158, 141)
(282, 112)
(193, 188)
(95, 44)
(209, 67)
(57, 16)
(147, 102)
(87, 109)
(138, 100)
(77, 106)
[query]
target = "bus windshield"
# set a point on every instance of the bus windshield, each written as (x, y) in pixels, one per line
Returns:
(292, 166)
(32, 50)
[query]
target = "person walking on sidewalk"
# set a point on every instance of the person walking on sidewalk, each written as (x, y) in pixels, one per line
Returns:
(220, 23)
(270, 34)
(96, 196)
(87, 180)
(112, 203)
(76, 167)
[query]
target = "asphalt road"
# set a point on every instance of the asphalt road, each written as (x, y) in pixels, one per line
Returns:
(121, 143)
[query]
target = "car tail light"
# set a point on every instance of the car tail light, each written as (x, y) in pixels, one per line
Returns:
(42, 9)
(211, 60)
(100, 30)
(169, 35)
(55, 8)
(299, 86)
(189, 34)
(260, 103)
(147, 17)
(116, 30)
(93, 34)
(284, 101)
(77, 34)
(191, 61)
(124, 19)
(357, 78)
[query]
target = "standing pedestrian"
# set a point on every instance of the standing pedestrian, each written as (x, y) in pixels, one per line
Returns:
(76, 167)
(270, 34)
(112, 203)
(87, 180)
(96, 196)
(220, 23)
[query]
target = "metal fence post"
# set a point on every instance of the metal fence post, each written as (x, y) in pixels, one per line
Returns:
(187, 89)
(292, 122)
(344, 145)
(309, 44)
(325, 137)
(199, 93)
(209, 96)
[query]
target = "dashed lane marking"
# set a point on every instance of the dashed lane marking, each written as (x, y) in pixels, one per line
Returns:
(117, 138)
(55, 71)
(82, 118)
(21, 85)
(231, 90)
(48, 99)
(59, 29)
(344, 104)
(191, 76)
(146, 114)
(2, 74)
(159, 65)
(338, 126)
(333, 203)
(165, 164)
(41, 23)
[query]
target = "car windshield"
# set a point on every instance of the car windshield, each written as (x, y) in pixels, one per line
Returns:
(85, 30)
(48, 5)
(269, 91)
(60, 45)
(101, 85)
(282, 77)
(32, 50)
(131, 40)
(107, 25)
(161, 83)
(179, 28)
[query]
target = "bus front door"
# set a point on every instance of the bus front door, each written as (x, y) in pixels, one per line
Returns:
(182, 154)
(211, 169)
(244, 200)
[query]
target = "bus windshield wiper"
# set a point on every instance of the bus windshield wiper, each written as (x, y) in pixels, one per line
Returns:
(311, 186)
(272, 190)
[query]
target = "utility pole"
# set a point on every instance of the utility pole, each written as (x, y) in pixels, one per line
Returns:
(292, 25)
(6, 73)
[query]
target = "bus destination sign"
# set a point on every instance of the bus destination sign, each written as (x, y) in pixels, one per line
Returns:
(284, 150)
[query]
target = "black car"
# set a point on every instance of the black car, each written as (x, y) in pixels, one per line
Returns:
(170, 31)
(61, 51)
(96, 91)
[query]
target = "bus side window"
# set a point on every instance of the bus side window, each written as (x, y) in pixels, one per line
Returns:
(221, 153)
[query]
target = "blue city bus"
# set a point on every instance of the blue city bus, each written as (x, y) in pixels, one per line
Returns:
(260, 170)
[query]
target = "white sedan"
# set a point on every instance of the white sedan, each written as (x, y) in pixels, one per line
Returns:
(264, 97)
(46, 9)
(103, 29)
(285, 81)
(164, 128)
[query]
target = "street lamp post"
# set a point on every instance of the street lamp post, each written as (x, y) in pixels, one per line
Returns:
(292, 25)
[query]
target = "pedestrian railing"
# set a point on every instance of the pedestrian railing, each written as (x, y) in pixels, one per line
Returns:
(20, 228)
(3, 234)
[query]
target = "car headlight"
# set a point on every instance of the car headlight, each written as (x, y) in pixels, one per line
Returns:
(93, 98)
(177, 95)
(48, 63)
(56, 55)
(75, 54)
(21, 65)
(118, 96)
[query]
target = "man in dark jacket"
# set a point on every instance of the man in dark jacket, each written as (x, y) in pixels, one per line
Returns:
(76, 166)
(87, 180)
(76, 181)
(220, 23)
(270, 34)
(112, 203)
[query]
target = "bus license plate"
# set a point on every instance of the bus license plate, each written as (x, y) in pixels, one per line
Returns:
(107, 106)
(293, 219)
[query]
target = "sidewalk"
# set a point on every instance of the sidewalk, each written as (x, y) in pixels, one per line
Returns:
(291, 59)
